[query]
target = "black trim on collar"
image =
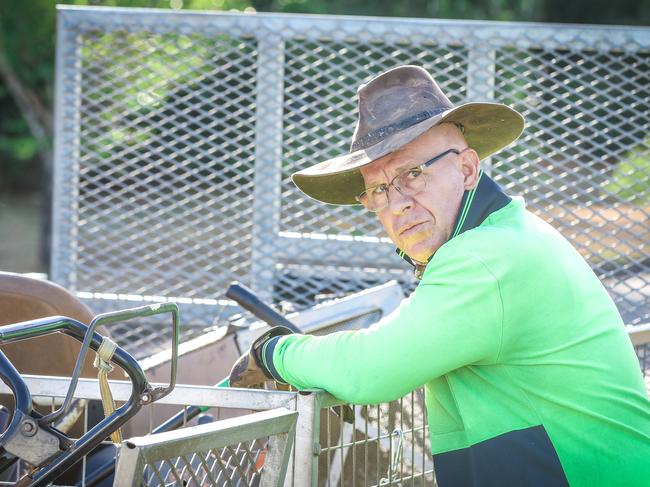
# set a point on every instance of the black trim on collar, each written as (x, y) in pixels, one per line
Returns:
(488, 197)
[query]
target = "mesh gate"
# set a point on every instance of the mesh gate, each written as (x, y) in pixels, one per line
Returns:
(249, 451)
(177, 132)
(386, 444)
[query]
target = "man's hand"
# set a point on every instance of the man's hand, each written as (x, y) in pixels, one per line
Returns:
(249, 370)
(246, 372)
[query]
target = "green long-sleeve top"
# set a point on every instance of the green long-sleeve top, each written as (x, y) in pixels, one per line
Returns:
(526, 365)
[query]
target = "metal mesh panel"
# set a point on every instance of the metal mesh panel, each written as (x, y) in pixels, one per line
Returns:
(224, 446)
(166, 162)
(590, 109)
(237, 465)
(388, 444)
(177, 133)
(247, 451)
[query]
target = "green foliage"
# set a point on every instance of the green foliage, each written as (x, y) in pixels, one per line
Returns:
(19, 163)
(578, 11)
(27, 40)
(630, 179)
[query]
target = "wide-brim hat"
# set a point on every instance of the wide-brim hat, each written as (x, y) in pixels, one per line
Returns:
(394, 109)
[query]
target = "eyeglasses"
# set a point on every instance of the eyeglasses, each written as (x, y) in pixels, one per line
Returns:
(408, 183)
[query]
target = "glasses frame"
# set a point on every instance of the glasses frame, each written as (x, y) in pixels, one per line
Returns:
(387, 187)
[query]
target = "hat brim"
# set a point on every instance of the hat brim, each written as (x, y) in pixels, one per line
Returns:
(488, 128)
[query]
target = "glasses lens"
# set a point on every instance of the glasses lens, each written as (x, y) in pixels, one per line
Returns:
(374, 199)
(411, 182)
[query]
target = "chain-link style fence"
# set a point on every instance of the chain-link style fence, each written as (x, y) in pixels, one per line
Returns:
(386, 444)
(249, 451)
(177, 133)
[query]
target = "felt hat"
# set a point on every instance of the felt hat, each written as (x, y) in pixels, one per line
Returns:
(395, 108)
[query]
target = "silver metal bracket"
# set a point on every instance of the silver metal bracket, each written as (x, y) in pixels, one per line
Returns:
(30, 442)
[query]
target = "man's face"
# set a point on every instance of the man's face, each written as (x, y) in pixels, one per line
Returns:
(421, 223)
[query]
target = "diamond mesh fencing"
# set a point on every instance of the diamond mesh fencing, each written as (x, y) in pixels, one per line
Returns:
(165, 163)
(177, 134)
(387, 444)
(237, 465)
(249, 451)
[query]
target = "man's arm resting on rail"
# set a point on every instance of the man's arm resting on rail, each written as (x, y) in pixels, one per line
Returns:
(454, 318)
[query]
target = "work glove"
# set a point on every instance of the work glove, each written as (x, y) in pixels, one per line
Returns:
(249, 370)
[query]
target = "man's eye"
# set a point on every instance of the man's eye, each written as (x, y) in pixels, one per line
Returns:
(378, 190)
(414, 173)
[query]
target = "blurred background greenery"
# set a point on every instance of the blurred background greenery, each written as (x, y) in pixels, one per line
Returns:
(27, 46)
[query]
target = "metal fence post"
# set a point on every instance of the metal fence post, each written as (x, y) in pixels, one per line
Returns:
(268, 163)
(65, 187)
(128, 470)
(307, 447)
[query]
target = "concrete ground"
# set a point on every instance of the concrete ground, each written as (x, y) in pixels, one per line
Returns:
(20, 233)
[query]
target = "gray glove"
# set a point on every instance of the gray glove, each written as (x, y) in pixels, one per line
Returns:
(249, 370)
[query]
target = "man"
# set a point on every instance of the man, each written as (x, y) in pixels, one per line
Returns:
(530, 378)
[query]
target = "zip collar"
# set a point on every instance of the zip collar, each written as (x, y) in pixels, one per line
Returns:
(477, 204)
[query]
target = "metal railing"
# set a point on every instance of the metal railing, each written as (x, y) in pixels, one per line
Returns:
(189, 443)
(177, 132)
(325, 449)
(386, 444)
(218, 403)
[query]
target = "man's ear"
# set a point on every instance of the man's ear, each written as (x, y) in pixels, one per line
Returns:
(469, 167)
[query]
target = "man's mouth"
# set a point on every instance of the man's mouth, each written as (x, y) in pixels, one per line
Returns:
(409, 228)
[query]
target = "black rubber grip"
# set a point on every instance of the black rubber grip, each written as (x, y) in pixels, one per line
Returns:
(249, 301)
